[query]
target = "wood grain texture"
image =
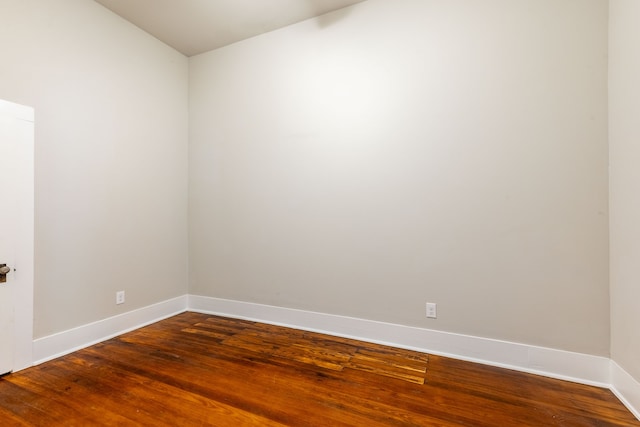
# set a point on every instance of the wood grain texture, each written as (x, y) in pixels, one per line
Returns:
(200, 370)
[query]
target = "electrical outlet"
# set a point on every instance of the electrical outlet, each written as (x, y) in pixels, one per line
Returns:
(120, 297)
(431, 310)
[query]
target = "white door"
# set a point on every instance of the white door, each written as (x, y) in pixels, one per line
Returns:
(16, 238)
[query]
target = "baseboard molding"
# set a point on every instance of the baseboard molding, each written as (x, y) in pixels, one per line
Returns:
(576, 367)
(59, 344)
(564, 365)
(626, 388)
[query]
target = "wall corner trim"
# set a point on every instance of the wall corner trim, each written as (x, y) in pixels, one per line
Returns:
(65, 342)
(576, 367)
(626, 388)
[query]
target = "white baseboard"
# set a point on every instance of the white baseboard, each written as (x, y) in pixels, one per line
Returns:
(626, 388)
(59, 344)
(576, 367)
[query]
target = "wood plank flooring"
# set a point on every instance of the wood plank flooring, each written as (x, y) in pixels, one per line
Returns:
(201, 370)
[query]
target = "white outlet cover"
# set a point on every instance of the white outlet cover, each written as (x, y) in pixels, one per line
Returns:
(432, 310)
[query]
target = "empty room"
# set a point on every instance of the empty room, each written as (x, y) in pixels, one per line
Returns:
(320, 212)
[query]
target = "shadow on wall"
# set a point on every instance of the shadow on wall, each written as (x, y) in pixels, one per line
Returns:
(328, 19)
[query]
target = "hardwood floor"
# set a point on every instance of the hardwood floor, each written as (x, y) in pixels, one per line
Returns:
(201, 370)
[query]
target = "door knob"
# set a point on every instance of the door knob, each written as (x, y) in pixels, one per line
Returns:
(4, 269)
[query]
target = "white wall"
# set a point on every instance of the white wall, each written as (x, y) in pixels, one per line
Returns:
(358, 164)
(111, 157)
(400, 152)
(624, 111)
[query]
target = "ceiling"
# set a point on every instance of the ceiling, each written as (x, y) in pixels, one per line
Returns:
(197, 26)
